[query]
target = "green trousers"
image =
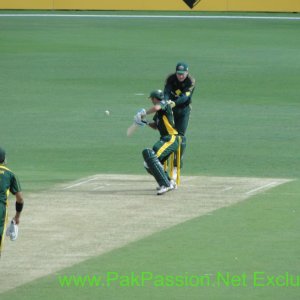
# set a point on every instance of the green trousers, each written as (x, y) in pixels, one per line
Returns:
(181, 119)
(165, 146)
(3, 217)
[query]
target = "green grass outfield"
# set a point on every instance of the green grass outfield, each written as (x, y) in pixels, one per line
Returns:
(59, 75)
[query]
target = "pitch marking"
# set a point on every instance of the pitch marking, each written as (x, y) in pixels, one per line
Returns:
(227, 188)
(79, 183)
(261, 187)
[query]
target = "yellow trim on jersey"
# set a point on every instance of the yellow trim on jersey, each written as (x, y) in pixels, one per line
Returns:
(166, 145)
(4, 231)
(7, 191)
(188, 94)
(7, 195)
(4, 168)
(6, 213)
(171, 130)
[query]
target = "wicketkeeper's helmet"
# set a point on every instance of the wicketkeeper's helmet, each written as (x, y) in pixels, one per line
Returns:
(158, 94)
(181, 68)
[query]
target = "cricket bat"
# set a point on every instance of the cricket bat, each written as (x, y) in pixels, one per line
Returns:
(131, 129)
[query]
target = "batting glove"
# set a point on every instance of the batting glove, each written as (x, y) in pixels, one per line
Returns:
(12, 230)
(138, 120)
(142, 112)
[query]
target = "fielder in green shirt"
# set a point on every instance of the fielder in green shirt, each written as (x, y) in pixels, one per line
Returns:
(178, 91)
(8, 184)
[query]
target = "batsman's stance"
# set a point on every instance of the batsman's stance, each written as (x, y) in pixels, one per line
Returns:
(178, 91)
(168, 143)
(8, 183)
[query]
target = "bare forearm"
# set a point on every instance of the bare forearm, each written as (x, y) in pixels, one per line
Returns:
(152, 125)
(19, 197)
(153, 109)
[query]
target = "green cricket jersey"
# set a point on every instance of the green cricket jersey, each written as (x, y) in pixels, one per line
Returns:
(164, 120)
(8, 183)
(179, 92)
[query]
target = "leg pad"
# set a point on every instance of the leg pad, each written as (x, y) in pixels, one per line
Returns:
(155, 167)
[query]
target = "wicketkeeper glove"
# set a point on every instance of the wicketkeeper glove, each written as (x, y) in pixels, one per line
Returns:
(12, 230)
(171, 103)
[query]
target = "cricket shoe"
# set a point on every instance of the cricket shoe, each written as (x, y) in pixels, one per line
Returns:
(163, 189)
(172, 184)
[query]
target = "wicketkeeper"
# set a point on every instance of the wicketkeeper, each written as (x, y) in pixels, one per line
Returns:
(167, 144)
(178, 91)
(9, 184)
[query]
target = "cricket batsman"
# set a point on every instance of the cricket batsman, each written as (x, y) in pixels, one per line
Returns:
(8, 184)
(168, 143)
(178, 91)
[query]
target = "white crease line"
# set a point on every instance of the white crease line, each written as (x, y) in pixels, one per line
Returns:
(262, 187)
(227, 188)
(98, 188)
(139, 94)
(213, 187)
(80, 183)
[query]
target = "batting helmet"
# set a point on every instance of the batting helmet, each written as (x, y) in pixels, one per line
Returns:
(158, 94)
